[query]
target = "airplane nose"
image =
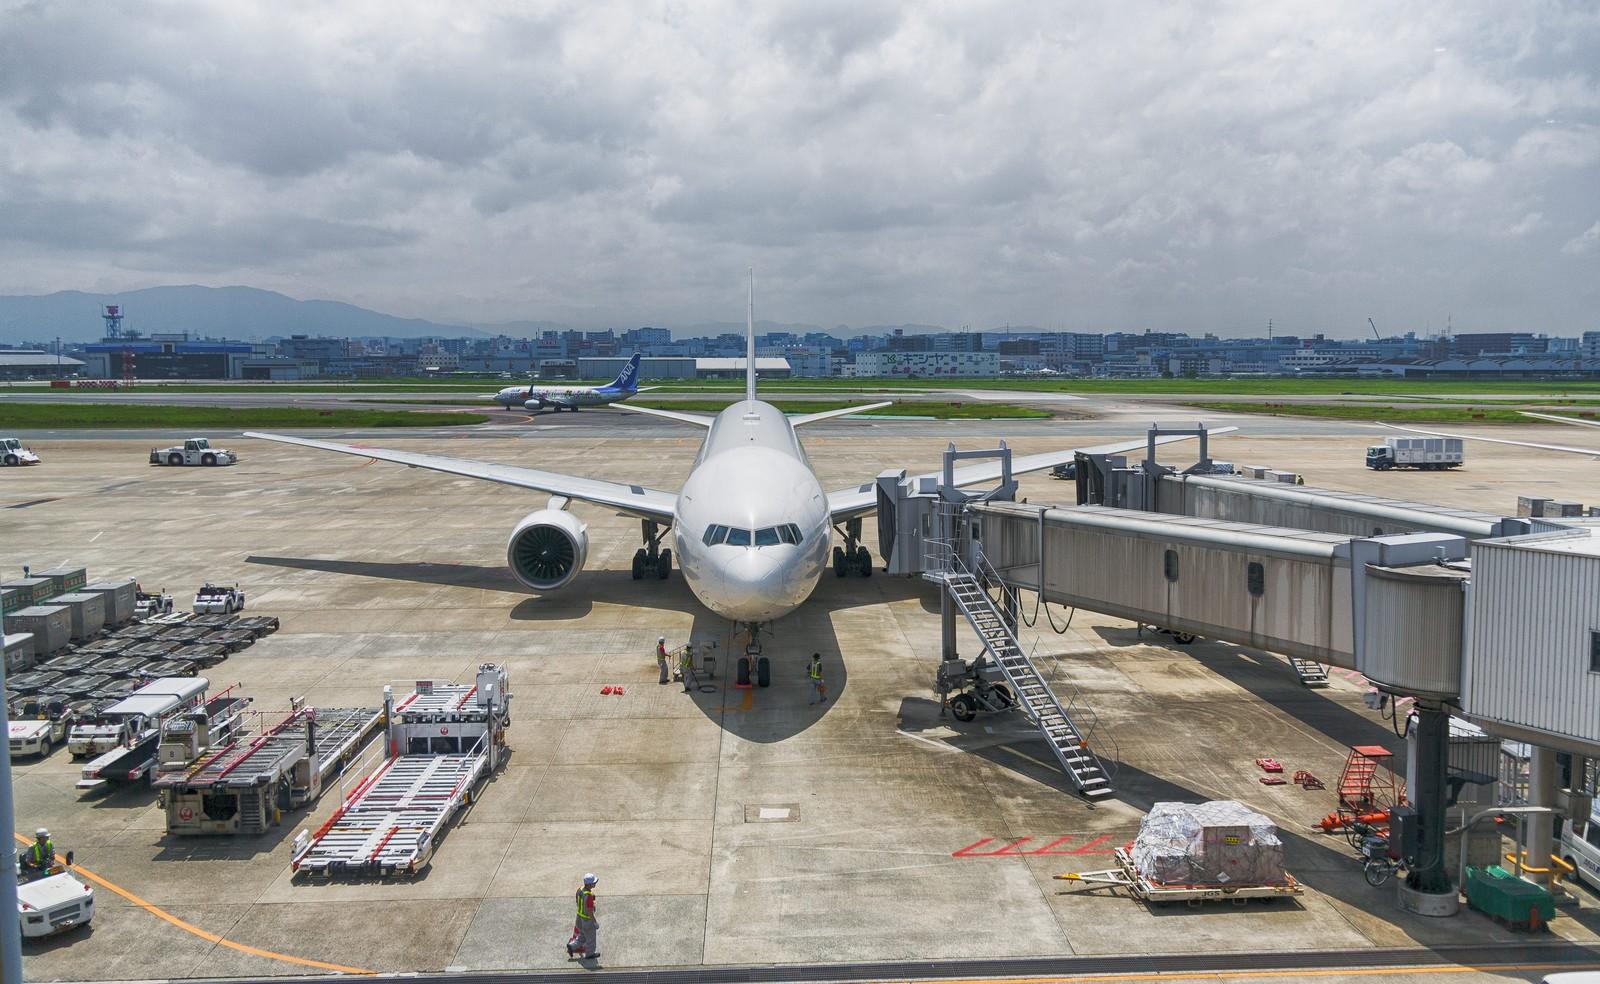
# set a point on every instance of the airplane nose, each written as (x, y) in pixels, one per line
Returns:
(752, 584)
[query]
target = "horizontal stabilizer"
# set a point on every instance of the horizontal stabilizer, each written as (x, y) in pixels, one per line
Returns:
(811, 418)
(698, 419)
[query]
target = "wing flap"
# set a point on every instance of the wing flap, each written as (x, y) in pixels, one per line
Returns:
(635, 500)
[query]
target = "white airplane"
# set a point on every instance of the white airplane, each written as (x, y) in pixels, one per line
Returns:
(536, 397)
(1591, 452)
(751, 526)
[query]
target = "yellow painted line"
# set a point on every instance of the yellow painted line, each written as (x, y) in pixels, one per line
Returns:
(168, 917)
(749, 700)
(1303, 974)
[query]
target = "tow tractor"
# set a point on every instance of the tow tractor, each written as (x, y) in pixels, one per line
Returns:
(145, 605)
(214, 600)
(442, 743)
(979, 687)
(13, 453)
(52, 901)
(41, 724)
(194, 451)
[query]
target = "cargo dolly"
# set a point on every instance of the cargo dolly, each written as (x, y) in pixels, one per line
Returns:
(1125, 875)
(243, 786)
(441, 744)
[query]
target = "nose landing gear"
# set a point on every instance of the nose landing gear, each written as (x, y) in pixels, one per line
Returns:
(752, 658)
(853, 556)
(651, 559)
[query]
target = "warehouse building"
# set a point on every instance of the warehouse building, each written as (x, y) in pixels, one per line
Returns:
(36, 364)
(924, 364)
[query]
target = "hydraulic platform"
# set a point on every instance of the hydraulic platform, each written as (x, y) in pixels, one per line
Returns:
(244, 786)
(442, 743)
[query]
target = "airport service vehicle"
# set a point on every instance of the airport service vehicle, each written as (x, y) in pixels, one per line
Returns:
(179, 732)
(442, 743)
(1579, 843)
(119, 724)
(1426, 453)
(194, 451)
(13, 453)
(52, 903)
(1550, 417)
(752, 526)
(535, 396)
(146, 605)
(214, 600)
(41, 724)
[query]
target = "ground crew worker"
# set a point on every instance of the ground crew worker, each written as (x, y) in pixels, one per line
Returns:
(686, 665)
(585, 942)
(42, 852)
(818, 690)
(661, 657)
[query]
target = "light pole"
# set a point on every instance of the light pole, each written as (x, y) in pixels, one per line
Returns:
(10, 919)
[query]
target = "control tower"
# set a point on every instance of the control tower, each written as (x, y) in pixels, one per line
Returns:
(112, 316)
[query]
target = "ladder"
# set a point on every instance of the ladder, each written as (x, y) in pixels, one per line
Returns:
(1310, 672)
(1366, 782)
(1033, 695)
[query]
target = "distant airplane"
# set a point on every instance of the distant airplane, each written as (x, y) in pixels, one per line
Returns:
(558, 398)
(751, 527)
(1564, 449)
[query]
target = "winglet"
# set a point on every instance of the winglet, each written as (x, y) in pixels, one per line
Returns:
(750, 339)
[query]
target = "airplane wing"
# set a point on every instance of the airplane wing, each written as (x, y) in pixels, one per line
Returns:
(1591, 452)
(1560, 420)
(700, 420)
(846, 503)
(811, 418)
(634, 500)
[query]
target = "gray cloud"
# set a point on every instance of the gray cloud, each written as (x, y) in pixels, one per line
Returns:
(1104, 167)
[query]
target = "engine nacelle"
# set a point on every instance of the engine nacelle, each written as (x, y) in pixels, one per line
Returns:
(547, 549)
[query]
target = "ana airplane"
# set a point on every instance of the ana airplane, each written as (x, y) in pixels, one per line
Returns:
(1564, 449)
(558, 398)
(750, 528)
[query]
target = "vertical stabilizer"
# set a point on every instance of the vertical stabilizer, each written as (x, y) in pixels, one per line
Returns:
(750, 339)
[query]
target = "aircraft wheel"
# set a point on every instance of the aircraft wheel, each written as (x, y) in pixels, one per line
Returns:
(743, 672)
(838, 562)
(638, 565)
(964, 707)
(664, 565)
(763, 672)
(863, 562)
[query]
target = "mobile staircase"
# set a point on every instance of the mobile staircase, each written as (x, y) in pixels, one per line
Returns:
(442, 742)
(968, 588)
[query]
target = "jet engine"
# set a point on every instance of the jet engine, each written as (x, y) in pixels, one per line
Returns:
(547, 549)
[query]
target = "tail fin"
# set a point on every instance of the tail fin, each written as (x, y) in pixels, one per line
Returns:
(750, 340)
(629, 377)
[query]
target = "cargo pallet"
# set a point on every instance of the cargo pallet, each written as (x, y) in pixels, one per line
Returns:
(1124, 875)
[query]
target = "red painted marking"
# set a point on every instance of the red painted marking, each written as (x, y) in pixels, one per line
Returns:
(466, 696)
(409, 698)
(381, 843)
(1015, 848)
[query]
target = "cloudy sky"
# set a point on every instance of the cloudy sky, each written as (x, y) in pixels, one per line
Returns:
(1070, 165)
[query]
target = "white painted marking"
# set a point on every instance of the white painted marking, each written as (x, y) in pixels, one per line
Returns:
(775, 813)
(97, 536)
(941, 746)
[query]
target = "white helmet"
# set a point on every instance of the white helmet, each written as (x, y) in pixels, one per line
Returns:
(662, 639)
(591, 878)
(42, 832)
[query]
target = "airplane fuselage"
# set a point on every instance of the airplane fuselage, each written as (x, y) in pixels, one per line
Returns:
(537, 397)
(751, 526)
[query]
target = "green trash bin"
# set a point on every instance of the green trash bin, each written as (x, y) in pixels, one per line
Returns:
(1500, 894)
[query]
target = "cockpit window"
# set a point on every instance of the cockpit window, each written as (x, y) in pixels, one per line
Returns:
(789, 533)
(767, 537)
(715, 534)
(738, 538)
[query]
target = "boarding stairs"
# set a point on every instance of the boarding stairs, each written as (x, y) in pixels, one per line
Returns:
(970, 593)
(1310, 672)
(389, 823)
(1367, 783)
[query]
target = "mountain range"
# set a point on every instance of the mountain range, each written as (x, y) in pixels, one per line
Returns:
(252, 313)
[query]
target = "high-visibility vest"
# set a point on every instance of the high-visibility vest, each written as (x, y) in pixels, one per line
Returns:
(685, 658)
(816, 671)
(43, 852)
(585, 903)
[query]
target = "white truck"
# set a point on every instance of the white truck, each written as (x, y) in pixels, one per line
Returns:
(146, 605)
(1426, 453)
(214, 600)
(54, 903)
(194, 451)
(13, 453)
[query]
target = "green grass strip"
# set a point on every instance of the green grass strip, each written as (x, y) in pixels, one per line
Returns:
(1406, 413)
(44, 416)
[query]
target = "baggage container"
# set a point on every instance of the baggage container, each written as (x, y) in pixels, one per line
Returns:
(66, 579)
(88, 612)
(120, 595)
(25, 592)
(51, 626)
(1496, 892)
(19, 652)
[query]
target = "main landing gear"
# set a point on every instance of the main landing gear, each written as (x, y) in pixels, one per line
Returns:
(651, 559)
(752, 658)
(852, 556)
